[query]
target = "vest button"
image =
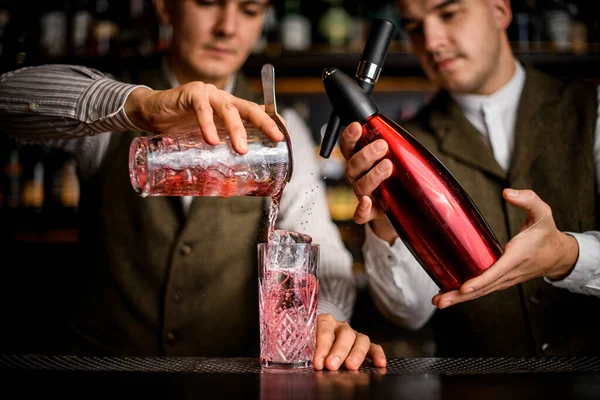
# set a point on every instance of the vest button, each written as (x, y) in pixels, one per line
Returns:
(178, 296)
(171, 337)
(185, 250)
(534, 299)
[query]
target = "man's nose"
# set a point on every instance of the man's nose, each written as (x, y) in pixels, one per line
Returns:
(435, 35)
(227, 23)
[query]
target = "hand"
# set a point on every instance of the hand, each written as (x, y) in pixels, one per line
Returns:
(338, 343)
(365, 179)
(538, 250)
(193, 107)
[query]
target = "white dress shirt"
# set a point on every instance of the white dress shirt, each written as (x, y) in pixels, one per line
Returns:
(402, 288)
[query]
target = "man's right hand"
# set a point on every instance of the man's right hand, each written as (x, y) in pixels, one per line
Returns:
(198, 107)
(365, 170)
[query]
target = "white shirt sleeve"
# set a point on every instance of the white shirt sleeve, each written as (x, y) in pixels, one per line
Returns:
(402, 290)
(400, 287)
(303, 208)
(585, 276)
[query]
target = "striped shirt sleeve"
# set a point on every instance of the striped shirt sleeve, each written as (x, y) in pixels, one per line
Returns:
(62, 101)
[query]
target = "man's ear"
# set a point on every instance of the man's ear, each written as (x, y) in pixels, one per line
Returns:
(163, 10)
(502, 13)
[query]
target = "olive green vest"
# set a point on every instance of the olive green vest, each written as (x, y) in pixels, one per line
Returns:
(161, 282)
(553, 155)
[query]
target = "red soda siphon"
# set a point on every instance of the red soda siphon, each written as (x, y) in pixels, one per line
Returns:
(429, 209)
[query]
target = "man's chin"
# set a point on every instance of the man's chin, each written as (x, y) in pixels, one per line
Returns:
(216, 67)
(452, 83)
(215, 73)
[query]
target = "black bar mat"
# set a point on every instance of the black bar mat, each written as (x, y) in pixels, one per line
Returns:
(402, 366)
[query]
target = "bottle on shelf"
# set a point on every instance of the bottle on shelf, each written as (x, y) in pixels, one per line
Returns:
(269, 29)
(104, 30)
(136, 31)
(82, 20)
(519, 32)
(13, 171)
(33, 188)
(4, 20)
(69, 189)
(335, 24)
(559, 24)
(579, 31)
(295, 28)
(431, 212)
(359, 28)
(53, 33)
(341, 202)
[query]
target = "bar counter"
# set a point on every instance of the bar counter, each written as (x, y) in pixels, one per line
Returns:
(241, 378)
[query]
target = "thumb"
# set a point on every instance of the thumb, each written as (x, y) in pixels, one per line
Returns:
(529, 201)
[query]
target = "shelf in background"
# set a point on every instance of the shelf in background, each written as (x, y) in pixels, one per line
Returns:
(403, 64)
(65, 235)
(26, 225)
(314, 85)
(399, 63)
(301, 72)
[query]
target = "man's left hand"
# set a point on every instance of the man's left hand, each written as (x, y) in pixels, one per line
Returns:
(539, 249)
(338, 343)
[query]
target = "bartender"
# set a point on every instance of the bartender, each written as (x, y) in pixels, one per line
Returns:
(178, 276)
(526, 147)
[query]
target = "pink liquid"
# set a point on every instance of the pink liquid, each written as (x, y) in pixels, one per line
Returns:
(287, 309)
(203, 182)
(274, 211)
(186, 166)
(288, 299)
(288, 313)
